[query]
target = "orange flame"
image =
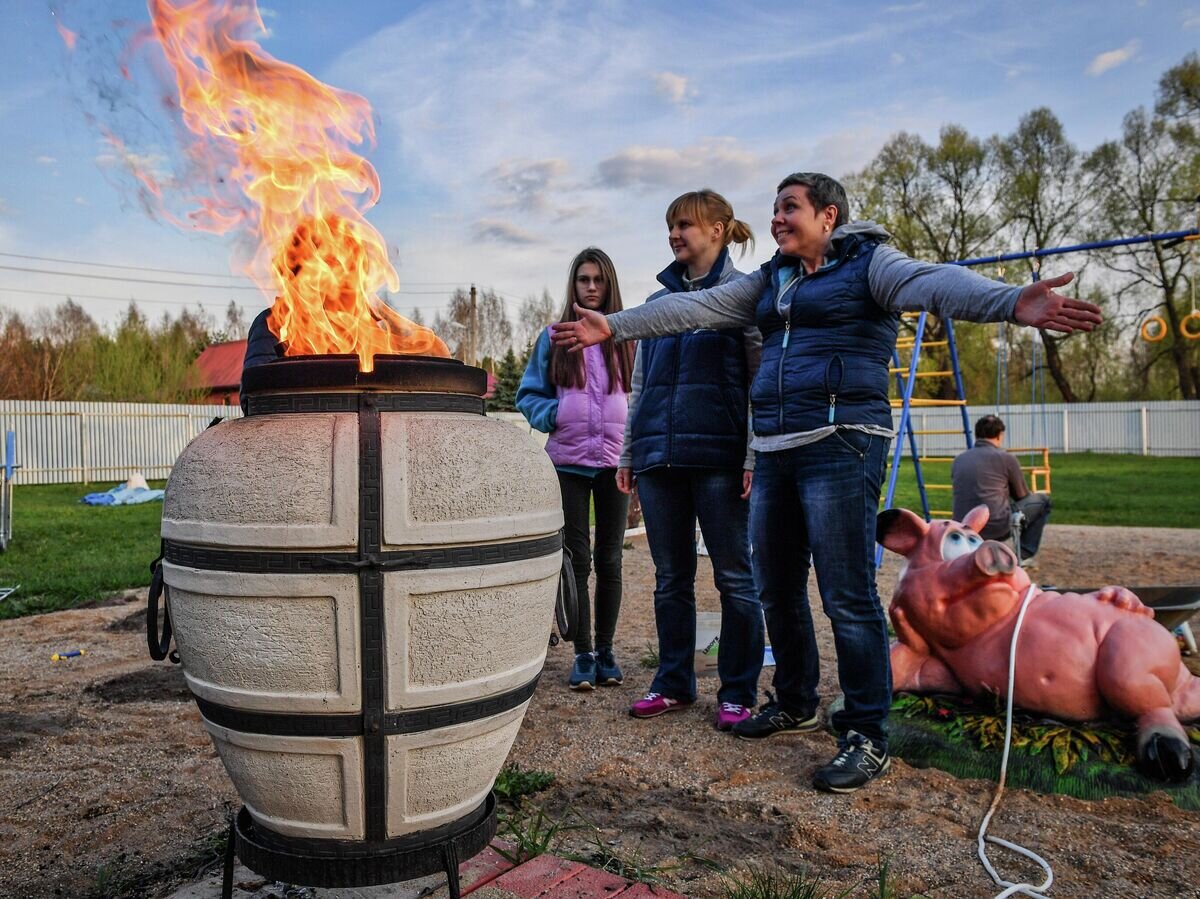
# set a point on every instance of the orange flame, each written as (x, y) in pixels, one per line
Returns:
(282, 140)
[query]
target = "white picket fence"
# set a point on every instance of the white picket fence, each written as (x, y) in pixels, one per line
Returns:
(68, 443)
(60, 443)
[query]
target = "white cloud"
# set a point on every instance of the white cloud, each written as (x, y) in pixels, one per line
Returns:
(675, 88)
(1191, 19)
(46, 160)
(1110, 59)
(901, 8)
(719, 160)
(499, 231)
(81, 201)
(526, 184)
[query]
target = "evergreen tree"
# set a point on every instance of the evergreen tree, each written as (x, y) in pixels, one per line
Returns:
(508, 379)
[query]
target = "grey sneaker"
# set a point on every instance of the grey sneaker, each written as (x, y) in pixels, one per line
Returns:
(858, 762)
(772, 719)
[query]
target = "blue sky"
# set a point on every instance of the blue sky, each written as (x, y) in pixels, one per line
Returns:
(512, 134)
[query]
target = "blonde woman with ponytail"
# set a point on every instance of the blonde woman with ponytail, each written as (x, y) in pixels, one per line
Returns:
(686, 444)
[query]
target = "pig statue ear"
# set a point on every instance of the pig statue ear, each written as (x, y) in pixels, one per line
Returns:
(899, 530)
(977, 518)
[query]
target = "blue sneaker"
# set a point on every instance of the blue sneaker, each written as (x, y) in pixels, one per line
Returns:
(608, 672)
(583, 675)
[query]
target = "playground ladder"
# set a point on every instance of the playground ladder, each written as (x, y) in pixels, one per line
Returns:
(907, 376)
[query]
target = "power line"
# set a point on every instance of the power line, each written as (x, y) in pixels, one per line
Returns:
(138, 268)
(38, 271)
(68, 295)
(176, 271)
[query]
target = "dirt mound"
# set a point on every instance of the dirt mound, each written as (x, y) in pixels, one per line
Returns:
(154, 683)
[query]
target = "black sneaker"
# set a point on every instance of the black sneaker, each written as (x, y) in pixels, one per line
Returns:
(608, 672)
(583, 675)
(772, 719)
(858, 762)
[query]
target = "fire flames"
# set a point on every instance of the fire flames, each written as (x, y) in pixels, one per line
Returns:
(277, 146)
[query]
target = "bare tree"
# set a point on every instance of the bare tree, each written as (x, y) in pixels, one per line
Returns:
(1141, 180)
(939, 204)
(235, 322)
(535, 314)
(493, 334)
(1179, 91)
(1047, 195)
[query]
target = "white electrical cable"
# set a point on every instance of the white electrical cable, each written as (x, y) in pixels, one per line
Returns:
(1011, 889)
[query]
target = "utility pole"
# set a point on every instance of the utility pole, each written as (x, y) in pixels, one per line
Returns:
(473, 331)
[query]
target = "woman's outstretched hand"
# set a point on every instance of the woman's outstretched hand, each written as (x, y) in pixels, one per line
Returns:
(1040, 307)
(591, 328)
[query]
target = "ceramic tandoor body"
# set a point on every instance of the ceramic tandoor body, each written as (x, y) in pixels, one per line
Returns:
(361, 600)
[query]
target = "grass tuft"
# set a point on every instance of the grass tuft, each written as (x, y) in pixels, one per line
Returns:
(649, 658)
(760, 883)
(513, 782)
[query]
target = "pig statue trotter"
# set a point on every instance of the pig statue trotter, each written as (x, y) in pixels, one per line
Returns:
(1079, 657)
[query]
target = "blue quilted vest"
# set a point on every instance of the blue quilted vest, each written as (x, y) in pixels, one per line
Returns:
(828, 362)
(692, 411)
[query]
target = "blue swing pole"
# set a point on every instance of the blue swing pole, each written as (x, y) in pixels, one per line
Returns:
(1094, 245)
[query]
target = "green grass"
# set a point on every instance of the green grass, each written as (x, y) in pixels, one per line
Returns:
(65, 554)
(1094, 488)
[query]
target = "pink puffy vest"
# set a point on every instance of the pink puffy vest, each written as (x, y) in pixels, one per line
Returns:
(590, 426)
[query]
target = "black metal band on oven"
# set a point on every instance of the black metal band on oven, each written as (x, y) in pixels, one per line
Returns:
(371, 621)
(413, 721)
(275, 403)
(341, 863)
(269, 562)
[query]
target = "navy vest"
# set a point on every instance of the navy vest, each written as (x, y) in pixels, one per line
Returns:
(828, 363)
(692, 410)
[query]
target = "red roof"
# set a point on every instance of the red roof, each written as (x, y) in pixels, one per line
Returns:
(220, 365)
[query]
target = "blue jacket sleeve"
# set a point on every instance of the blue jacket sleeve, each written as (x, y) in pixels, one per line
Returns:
(537, 397)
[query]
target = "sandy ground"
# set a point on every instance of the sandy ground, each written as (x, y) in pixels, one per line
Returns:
(109, 786)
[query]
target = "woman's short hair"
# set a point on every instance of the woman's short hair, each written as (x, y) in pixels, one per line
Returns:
(822, 191)
(709, 207)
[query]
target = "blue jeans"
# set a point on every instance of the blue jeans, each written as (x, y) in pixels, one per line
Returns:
(820, 501)
(1036, 507)
(672, 501)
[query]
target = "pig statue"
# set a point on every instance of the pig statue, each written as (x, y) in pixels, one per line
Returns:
(1079, 657)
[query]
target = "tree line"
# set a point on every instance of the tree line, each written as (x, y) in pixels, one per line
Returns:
(967, 196)
(963, 196)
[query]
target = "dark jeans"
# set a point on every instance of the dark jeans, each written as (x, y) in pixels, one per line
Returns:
(672, 501)
(611, 508)
(821, 500)
(1036, 507)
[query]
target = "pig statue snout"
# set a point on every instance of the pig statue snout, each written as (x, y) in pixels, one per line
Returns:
(995, 558)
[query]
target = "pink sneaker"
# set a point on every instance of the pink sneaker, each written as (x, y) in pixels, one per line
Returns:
(654, 704)
(730, 714)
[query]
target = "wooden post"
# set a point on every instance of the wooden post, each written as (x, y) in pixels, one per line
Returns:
(473, 326)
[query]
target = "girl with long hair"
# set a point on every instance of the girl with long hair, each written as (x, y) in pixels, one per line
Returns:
(580, 400)
(686, 443)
